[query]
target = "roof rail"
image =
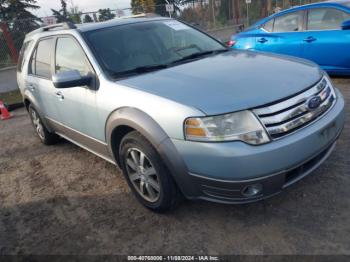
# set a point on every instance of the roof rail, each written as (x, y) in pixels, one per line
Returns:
(64, 25)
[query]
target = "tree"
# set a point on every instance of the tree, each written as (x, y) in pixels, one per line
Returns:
(75, 14)
(15, 15)
(105, 14)
(178, 5)
(62, 15)
(87, 19)
(11, 10)
(142, 6)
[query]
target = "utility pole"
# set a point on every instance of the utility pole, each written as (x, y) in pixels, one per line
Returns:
(213, 11)
(248, 3)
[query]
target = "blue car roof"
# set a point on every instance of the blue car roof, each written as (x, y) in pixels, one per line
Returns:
(343, 4)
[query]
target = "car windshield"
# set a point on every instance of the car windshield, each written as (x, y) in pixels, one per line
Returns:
(136, 48)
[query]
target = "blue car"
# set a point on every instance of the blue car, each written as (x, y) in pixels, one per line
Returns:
(318, 32)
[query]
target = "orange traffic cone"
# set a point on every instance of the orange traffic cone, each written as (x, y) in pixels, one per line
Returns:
(4, 112)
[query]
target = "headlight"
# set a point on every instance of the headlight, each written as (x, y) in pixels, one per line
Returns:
(330, 84)
(242, 126)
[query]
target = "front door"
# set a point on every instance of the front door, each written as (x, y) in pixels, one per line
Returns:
(282, 35)
(323, 40)
(77, 105)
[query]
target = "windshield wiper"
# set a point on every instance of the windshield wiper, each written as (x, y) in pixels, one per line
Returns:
(140, 69)
(150, 68)
(198, 55)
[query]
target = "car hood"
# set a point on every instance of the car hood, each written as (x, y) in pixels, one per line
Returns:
(231, 81)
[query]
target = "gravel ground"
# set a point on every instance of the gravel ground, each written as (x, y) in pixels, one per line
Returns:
(64, 200)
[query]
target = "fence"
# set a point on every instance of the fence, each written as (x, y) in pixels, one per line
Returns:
(218, 17)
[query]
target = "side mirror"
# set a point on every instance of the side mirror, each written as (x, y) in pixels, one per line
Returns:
(345, 25)
(73, 78)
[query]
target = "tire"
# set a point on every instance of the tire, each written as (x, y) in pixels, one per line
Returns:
(159, 193)
(44, 135)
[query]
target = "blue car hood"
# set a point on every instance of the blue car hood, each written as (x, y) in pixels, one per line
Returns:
(231, 81)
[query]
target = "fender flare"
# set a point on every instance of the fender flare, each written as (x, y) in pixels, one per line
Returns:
(135, 119)
(149, 128)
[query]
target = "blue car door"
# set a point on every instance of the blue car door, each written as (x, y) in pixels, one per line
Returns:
(324, 42)
(281, 34)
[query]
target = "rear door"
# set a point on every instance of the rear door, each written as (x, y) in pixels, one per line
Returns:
(282, 34)
(39, 78)
(324, 42)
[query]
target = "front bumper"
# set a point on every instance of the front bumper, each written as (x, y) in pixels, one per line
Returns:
(221, 171)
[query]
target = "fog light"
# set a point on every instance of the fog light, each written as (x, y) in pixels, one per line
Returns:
(252, 190)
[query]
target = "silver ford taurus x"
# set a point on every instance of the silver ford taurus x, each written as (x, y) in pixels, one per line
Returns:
(178, 112)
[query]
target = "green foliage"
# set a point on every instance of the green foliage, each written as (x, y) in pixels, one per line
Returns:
(11, 10)
(142, 6)
(62, 15)
(65, 15)
(87, 19)
(19, 21)
(105, 14)
(75, 15)
(11, 97)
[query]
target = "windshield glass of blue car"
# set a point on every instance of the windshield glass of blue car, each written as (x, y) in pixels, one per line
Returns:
(136, 48)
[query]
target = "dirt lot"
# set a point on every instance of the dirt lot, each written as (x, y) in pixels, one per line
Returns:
(64, 200)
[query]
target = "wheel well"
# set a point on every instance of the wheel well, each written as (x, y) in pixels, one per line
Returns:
(26, 103)
(116, 138)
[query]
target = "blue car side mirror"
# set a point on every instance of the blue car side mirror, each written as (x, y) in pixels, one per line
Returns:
(345, 25)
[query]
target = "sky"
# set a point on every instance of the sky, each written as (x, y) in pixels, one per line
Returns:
(84, 5)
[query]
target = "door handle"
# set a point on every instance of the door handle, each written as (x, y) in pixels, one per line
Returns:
(262, 40)
(59, 95)
(310, 39)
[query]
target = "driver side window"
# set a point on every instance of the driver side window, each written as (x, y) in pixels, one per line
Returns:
(70, 56)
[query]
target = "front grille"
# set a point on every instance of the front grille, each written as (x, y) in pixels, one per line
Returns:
(289, 115)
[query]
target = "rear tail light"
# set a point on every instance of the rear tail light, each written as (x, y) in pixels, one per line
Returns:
(230, 43)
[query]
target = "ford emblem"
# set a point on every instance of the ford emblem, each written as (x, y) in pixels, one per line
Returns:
(313, 102)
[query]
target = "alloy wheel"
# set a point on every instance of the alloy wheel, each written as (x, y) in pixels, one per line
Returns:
(37, 125)
(142, 175)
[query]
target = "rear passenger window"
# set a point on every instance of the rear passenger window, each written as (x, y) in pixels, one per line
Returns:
(41, 59)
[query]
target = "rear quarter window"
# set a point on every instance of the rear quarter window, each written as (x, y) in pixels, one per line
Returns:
(23, 55)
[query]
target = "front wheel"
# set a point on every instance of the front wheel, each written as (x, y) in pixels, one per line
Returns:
(146, 174)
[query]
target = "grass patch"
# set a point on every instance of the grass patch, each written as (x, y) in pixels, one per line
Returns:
(11, 97)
